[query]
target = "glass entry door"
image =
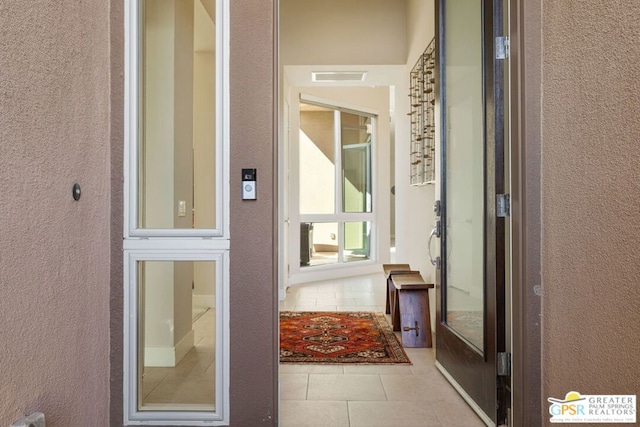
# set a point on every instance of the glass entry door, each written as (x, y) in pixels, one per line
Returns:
(471, 270)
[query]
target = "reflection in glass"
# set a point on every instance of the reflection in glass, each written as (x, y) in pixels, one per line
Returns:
(464, 171)
(318, 243)
(176, 178)
(356, 241)
(356, 162)
(176, 339)
(317, 160)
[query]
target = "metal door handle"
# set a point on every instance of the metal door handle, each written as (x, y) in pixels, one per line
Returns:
(434, 233)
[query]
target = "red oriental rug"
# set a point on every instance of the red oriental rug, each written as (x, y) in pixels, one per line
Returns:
(338, 337)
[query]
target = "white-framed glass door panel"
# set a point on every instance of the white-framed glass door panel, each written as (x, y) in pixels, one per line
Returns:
(177, 344)
(176, 154)
(176, 242)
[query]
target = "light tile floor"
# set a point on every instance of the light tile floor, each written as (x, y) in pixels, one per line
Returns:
(364, 395)
(191, 381)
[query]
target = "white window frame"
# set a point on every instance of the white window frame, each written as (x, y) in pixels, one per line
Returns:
(134, 416)
(131, 120)
(338, 216)
(141, 244)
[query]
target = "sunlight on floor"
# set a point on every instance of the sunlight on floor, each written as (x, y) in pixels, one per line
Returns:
(364, 395)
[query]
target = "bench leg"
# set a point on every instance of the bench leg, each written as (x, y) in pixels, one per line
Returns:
(387, 308)
(415, 318)
(393, 305)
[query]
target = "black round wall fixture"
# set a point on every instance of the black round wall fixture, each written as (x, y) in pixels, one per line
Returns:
(76, 191)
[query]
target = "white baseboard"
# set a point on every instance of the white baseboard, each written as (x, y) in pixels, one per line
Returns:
(204, 301)
(185, 345)
(328, 272)
(168, 357)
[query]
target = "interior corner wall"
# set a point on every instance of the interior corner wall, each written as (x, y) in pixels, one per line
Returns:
(414, 204)
(361, 32)
(55, 259)
(253, 269)
(590, 198)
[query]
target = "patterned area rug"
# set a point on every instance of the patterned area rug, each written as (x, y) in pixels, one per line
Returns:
(338, 337)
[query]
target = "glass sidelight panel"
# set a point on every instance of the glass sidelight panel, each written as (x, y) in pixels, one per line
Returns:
(465, 163)
(176, 335)
(356, 162)
(317, 160)
(177, 110)
(357, 237)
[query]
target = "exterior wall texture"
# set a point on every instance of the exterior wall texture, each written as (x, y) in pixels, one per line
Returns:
(590, 198)
(54, 251)
(253, 287)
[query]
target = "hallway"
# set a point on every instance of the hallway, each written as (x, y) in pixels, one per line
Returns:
(364, 395)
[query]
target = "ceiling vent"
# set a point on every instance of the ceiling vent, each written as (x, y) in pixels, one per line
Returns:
(338, 76)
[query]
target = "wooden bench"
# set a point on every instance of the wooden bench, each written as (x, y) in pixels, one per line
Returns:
(390, 270)
(415, 319)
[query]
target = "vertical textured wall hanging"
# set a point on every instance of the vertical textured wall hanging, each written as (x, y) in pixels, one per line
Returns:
(422, 97)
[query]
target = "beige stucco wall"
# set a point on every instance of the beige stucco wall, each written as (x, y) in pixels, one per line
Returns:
(54, 251)
(590, 198)
(253, 286)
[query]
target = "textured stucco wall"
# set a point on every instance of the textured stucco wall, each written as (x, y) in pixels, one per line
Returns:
(54, 251)
(590, 197)
(530, 400)
(254, 330)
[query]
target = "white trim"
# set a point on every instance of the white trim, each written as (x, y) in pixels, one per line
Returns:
(339, 217)
(334, 271)
(219, 416)
(485, 418)
(169, 356)
(340, 106)
(131, 134)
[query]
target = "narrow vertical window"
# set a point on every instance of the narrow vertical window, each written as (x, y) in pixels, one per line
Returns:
(177, 110)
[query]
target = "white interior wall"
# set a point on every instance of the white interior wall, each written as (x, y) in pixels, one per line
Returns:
(158, 277)
(183, 170)
(204, 170)
(414, 204)
(326, 32)
(169, 147)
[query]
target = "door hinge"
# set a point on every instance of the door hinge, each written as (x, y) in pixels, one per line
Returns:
(503, 205)
(502, 47)
(504, 364)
